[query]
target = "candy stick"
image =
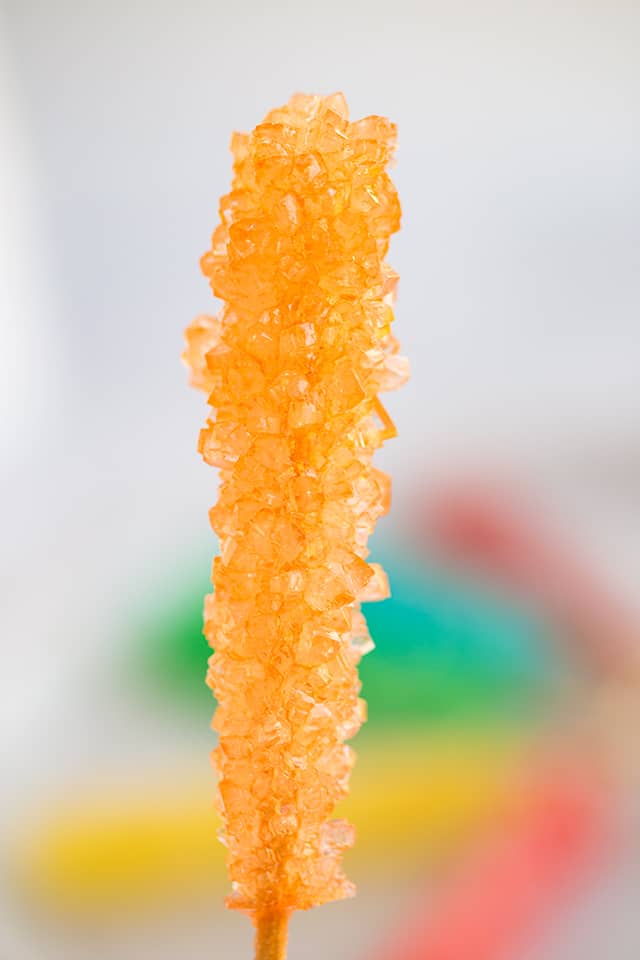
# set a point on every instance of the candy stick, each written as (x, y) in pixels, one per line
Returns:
(293, 365)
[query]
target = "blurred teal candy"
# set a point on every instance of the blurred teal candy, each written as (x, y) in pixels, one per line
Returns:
(446, 649)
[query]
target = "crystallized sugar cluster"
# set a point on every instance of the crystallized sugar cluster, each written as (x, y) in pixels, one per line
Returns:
(292, 366)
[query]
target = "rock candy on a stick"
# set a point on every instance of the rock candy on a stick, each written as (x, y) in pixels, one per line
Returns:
(292, 366)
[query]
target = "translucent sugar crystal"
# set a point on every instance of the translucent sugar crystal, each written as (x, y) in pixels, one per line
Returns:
(292, 366)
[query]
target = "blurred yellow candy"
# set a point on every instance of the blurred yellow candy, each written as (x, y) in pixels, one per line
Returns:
(112, 855)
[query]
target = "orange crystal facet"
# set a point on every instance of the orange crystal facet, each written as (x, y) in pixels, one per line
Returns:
(292, 367)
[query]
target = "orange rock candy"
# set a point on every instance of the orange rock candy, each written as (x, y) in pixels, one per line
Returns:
(292, 365)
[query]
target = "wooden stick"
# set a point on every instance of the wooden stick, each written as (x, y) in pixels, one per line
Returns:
(271, 936)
